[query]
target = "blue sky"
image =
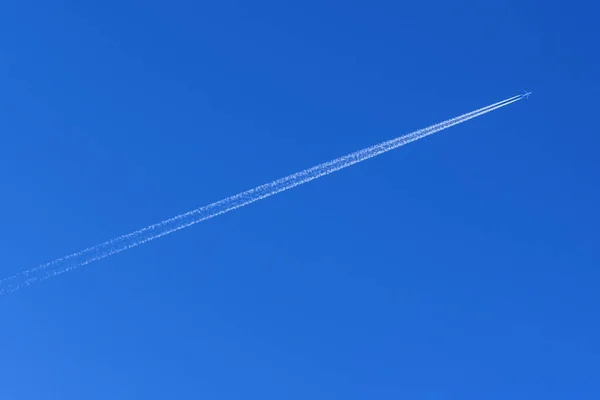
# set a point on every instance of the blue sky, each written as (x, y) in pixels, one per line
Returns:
(463, 266)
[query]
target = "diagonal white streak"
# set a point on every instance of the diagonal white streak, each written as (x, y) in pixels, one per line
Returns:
(155, 231)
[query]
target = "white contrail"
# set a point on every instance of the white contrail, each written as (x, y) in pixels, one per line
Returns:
(124, 242)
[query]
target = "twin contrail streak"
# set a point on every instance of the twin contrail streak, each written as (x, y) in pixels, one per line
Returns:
(124, 242)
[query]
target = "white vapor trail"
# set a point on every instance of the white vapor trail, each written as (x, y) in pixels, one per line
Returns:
(124, 242)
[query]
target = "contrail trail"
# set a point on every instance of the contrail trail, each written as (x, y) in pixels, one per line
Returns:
(124, 242)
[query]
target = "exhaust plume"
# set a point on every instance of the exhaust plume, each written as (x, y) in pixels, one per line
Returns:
(155, 231)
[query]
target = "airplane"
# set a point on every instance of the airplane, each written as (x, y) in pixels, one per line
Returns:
(527, 94)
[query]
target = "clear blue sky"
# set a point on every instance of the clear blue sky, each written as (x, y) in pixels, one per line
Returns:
(463, 266)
